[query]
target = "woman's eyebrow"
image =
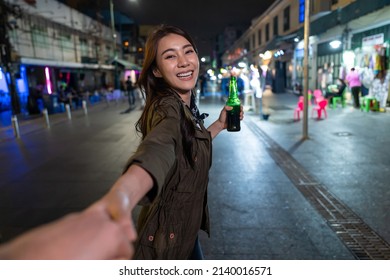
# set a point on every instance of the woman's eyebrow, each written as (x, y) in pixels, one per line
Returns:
(172, 49)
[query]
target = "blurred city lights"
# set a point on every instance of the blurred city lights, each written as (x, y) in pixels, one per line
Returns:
(335, 44)
(266, 55)
(48, 82)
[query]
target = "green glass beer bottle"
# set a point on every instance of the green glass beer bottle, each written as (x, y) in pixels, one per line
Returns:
(233, 116)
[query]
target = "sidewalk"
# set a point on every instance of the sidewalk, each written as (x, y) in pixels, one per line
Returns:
(34, 123)
(347, 154)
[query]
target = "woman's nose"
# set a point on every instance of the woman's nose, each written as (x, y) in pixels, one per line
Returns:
(182, 61)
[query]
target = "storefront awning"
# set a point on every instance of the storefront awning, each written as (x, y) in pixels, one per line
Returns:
(272, 44)
(66, 64)
(126, 64)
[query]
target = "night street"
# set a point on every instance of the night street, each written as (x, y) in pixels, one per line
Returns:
(262, 181)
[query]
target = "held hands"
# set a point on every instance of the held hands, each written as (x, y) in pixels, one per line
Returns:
(117, 205)
(90, 234)
(104, 230)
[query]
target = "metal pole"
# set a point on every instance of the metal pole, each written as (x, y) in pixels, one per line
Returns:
(15, 125)
(116, 85)
(306, 69)
(46, 116)
(67, 107)
(85, 107)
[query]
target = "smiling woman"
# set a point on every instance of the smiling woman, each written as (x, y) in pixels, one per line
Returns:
(179, 65)
(168, 174)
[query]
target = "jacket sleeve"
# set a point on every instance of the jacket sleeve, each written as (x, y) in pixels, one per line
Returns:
(157, 152)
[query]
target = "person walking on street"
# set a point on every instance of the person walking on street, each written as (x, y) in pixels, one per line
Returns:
(353, 81)
(130, 91)
(130, 88)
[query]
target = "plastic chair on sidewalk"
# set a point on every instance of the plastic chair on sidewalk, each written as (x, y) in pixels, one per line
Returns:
(368, 103)
(339, 99)
(317, 95)
(298, 109)
(320, 107)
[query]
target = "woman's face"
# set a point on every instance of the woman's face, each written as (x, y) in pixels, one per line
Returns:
(177, 63)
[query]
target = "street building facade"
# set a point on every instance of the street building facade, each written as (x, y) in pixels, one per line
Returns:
(343, 34)
(54, 47)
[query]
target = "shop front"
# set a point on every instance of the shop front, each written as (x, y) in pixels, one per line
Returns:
(46, 80)
(5, 98)
(298, 66)
(369, 53)
(329, 63)
(371, 48)
(21, 88)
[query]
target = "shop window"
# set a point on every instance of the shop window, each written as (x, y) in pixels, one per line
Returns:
(65, 40)
(286, 19)
(276, 26)
(109, 52)
(39, 35)
(84, 47)
(259, 37)
(246, 45)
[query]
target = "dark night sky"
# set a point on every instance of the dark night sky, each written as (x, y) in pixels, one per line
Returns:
(203, 19)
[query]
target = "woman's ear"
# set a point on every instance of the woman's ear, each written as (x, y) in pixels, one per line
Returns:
(157, 73)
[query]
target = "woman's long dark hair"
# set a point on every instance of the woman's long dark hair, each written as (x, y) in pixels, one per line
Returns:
(155, 89)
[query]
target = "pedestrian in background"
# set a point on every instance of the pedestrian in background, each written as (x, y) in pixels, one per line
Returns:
(353, 81)
(335, 91)
(130, 91)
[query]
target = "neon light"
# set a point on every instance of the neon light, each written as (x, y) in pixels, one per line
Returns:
(3, 82)
(48, 82)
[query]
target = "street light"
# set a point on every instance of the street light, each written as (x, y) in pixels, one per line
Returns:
(335, 44)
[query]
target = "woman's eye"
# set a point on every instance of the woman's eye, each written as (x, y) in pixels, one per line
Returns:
(169, 56)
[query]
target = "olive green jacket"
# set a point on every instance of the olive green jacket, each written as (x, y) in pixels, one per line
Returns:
(176, 208)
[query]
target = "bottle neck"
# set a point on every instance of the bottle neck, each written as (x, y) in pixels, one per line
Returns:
(233, 92)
